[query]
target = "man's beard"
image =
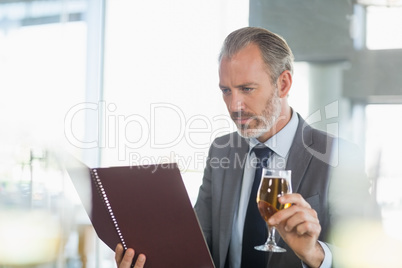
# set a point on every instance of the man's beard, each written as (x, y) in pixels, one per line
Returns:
(261, 123)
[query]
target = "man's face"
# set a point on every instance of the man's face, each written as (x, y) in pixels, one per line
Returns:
(251, 98)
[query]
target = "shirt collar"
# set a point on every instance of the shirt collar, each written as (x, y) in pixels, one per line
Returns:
(280, 143)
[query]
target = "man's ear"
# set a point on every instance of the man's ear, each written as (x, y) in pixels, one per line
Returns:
(284, 83)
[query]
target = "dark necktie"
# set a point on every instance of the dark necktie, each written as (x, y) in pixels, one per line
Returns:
(255, 229)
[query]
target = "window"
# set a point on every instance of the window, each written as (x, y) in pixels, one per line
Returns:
(384, 27)
(383, 156)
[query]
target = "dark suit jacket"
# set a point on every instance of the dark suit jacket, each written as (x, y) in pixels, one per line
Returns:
(219, 194)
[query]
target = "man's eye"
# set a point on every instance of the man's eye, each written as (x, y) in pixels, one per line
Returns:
(225, 91)
(247, 89)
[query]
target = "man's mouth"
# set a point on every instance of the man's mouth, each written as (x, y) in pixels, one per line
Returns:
(241, 120)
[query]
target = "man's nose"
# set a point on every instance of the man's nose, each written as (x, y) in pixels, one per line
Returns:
(236, 102)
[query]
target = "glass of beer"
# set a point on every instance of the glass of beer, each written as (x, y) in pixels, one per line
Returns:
(274, 184)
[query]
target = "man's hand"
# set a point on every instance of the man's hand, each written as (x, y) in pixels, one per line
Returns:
(299, 227)
(124, 260)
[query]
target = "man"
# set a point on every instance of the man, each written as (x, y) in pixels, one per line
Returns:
(255, 75)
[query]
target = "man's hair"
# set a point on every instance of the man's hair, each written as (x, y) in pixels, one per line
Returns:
(275, 52)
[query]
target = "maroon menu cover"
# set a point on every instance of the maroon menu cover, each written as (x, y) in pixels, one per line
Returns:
(146, 208)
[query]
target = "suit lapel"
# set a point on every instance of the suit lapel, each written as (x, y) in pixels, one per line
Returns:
(299, 157)
(231, 188)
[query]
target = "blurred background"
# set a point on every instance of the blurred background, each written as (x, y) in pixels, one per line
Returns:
(129, 82)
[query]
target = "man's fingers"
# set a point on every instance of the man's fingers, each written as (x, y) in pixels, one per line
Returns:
(303, 221)
(119, 252)
(299, 212)
(295, 199)
(127, 259)
(140, 261)
(124, 259)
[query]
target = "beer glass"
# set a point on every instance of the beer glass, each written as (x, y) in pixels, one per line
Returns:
(274, 184)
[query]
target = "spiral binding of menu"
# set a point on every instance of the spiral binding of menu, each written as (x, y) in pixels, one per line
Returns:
(105, 199)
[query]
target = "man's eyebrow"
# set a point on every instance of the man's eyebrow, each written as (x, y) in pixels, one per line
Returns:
(222, 86)
(247, 84)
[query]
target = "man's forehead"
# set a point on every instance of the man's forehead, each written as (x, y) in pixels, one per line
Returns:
(244, 65)
(250, 49)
